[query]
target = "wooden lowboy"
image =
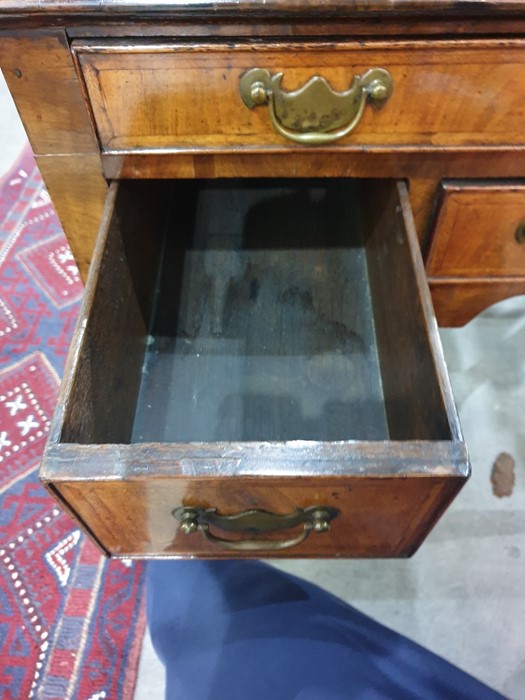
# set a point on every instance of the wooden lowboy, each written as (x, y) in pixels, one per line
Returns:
(270, 194)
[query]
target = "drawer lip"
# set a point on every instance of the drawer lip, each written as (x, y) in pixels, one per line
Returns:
(301, 458)
(149, 45)
(300, 472)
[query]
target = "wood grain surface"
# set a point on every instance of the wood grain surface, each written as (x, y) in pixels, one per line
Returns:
(38, 68)
(78, 190)
(41, 76)
(162, 96)
(97, 401)
(474, 233)
(123, 8)
(457, 301)
(381, 162)
(379, 517)
(408, 342)
(475, 258)
(423, 195)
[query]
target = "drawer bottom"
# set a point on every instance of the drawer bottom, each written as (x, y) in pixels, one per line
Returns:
(263, 327)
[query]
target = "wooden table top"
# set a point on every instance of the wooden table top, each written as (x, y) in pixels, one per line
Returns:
(326, 8)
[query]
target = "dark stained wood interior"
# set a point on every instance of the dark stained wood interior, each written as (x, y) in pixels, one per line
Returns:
(406, 334)
(266, 326)
(99, 402)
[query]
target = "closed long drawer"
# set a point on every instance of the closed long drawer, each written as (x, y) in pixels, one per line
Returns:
(156, 96)
(256, 371)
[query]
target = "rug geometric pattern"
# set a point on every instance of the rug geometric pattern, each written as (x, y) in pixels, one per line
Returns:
(71, 622)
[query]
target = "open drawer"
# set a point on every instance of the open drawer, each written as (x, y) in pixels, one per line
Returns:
(256, 371)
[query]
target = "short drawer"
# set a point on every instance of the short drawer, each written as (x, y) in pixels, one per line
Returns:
(151, 96)
(476, 255)
(256, 371)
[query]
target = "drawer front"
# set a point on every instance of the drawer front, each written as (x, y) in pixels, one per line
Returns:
(201, 378)
(479, 231)
(374, 517)
(147, 96)
(476, 255)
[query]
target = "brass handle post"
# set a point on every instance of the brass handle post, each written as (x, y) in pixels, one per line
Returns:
(255, 522)
(315, 114)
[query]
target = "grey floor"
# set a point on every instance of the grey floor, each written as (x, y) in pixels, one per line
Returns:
(463, 594)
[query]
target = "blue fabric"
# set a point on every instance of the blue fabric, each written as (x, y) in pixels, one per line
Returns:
(239, 630)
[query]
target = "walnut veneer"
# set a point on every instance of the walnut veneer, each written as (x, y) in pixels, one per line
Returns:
(141, 91)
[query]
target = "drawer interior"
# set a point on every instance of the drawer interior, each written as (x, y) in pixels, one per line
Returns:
(255, 310)
(263, 326)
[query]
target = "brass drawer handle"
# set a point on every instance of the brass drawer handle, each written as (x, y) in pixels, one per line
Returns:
(314, 518)
(520, 232)
(315, 114)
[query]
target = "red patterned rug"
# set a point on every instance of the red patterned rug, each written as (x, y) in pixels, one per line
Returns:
(71, 623)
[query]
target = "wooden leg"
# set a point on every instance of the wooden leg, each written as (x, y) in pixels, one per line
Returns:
(78, 190)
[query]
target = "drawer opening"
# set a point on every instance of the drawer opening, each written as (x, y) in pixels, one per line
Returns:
(256, 310)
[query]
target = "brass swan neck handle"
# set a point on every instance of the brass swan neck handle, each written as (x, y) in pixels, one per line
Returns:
(255, 522)
(315, 114)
